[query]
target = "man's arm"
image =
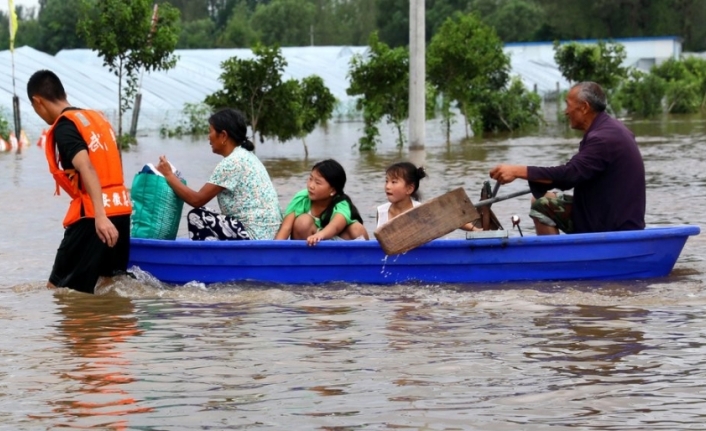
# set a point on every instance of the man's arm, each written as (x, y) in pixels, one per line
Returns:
(509, 173)
(104, 227)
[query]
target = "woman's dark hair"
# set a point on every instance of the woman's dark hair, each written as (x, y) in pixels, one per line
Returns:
(409, 173)
(335, 175)
(233, 123)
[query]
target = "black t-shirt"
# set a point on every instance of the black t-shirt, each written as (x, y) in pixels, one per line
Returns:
(68, 140)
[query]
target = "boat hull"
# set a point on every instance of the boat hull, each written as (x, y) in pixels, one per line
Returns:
(598, 256)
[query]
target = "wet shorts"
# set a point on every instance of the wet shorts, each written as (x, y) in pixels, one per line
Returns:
(82, 257)
(554, 211)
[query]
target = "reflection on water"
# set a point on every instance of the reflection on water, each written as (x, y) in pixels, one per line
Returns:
(95, 330)
(141, 355)
(591, 340)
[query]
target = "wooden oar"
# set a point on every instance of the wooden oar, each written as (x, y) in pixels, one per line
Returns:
(501, 198)
(495, 189)
(431, 220)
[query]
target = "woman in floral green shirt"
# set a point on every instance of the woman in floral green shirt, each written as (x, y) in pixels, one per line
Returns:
(247, 199)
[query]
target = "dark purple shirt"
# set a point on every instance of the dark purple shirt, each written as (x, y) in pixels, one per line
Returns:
(608, 178)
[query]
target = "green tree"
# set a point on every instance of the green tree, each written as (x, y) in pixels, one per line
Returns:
(28, 33)
(275, 109)
(316, 107)
(359, 16)
(516, 20)
(284, 22)
(221, 11)
(238, 32)
(281, 120)
(331, 23)
(191, 10)
(697, 67)
(194, 121)
(248, 85)
(571, 19)
(392, 18)
(438, 10)
(465, 61)
(687, 17)
(601, 62)
(57, 23)
(4, 124)
(393, 22)
(381, 78)
(121, 32)
(197, 34)
(511, 109)
(5, 31)
(610, 19)
(683, 88)
(641, 93)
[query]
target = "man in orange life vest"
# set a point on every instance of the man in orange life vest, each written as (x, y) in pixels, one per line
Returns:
(85, 162)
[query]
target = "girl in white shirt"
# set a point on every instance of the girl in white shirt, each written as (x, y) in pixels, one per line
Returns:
(402, 190)
(401, 187)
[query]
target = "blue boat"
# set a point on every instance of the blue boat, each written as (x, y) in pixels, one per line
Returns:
(627, 255)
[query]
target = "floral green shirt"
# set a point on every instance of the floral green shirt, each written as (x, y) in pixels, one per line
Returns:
(248, 194)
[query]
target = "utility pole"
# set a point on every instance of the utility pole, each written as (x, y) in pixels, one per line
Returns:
(417, 75)
(138, 97)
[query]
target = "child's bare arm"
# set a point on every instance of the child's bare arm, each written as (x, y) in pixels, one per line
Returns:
(285, 229)
(470, 227)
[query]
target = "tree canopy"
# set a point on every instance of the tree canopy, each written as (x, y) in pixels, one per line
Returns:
(128, 39)
(241, 23)
(600, 62)
(381, 79)
(275, 108)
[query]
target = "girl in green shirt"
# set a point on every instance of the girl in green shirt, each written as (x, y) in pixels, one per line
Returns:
(322, 210)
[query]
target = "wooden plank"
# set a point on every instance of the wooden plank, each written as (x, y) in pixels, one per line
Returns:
(432, 219)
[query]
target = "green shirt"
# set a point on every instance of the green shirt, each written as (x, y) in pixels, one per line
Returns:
(301, 204)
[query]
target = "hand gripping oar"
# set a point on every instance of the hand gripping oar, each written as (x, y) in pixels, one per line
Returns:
(501, 198)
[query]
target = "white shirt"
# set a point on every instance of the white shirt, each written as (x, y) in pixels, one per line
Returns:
(384, 210)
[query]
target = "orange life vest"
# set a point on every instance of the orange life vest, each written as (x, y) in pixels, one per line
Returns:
(105, 158)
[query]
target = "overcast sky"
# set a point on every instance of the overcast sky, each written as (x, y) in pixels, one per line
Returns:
(25, 3)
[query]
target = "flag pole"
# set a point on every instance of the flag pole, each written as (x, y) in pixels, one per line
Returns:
(15, 100)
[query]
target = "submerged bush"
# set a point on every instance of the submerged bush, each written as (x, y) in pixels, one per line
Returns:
(194, 122)
(4, 125)
(683, 86)
(510, 109)
(641, 94)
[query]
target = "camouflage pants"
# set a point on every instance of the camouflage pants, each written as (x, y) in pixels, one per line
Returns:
(554, 211)
(207, 225)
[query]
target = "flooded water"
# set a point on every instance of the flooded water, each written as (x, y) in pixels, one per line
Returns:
(140, 355)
